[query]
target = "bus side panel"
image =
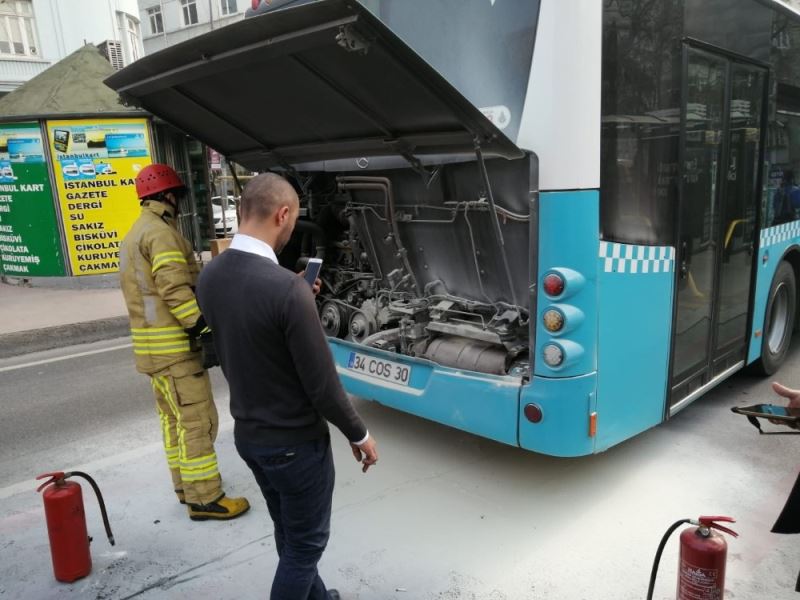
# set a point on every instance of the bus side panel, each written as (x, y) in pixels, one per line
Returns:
(566, 404)
(486, 405)
(568, 238)
(561, 117)
(635, 307)
(773, 243)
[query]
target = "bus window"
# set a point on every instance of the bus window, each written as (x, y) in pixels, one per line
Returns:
(482, 47)
(782, 185)
(640, 122)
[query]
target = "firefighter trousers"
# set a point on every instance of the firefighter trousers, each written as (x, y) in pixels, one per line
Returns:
(189, 424)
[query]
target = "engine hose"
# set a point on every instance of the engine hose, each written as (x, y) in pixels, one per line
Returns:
(660, 550)
(318, 236)
(99, 501)
(381, 335)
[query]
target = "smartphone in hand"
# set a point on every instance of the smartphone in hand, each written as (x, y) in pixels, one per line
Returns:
(312, 270)
(782, 414)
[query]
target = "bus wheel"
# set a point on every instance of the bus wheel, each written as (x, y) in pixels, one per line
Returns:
(779, 320)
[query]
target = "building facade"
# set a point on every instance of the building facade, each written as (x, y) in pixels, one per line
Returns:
(35, 34)
(168, 22)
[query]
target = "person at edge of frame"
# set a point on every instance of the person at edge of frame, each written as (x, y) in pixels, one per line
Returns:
(789, 519)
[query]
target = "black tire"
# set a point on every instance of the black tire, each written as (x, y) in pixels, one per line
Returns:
(778, 320)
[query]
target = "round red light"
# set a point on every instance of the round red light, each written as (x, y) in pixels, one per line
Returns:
(553, 284)
(533, 412)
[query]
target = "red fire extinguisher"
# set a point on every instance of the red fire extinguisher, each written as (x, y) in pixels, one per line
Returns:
(701, 565)
(66, 524)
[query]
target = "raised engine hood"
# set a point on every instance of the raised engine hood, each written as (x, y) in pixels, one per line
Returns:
(315, 82)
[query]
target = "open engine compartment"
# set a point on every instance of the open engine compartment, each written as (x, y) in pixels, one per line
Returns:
(425, 265)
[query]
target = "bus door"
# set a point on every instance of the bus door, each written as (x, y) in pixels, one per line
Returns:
(722, 120)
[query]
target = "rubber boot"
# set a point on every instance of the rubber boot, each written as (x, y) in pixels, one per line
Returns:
(222, 509)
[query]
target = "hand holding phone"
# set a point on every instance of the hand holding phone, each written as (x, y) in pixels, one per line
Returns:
(770, 411)
(793, 396)
(778, 415)
(312, 271)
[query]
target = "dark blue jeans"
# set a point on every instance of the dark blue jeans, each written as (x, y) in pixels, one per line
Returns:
(297, 483)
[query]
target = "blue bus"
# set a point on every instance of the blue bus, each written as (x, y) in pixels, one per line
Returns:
(550, 223)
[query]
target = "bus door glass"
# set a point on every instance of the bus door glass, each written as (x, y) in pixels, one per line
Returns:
(721, 144)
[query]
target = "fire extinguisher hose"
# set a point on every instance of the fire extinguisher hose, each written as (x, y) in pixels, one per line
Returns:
(99, 501)
(660, 550)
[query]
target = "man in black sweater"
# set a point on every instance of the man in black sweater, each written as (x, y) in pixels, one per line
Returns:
(283, 383)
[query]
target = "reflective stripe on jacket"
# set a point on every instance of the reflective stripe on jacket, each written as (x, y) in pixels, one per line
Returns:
(158, 273)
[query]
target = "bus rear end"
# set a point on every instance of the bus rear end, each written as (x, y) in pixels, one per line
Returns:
(452, 289)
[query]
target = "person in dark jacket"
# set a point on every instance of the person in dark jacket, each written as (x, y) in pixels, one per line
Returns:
(283, 383)
(789, 519)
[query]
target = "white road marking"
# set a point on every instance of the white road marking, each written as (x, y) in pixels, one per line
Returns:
(60, 358)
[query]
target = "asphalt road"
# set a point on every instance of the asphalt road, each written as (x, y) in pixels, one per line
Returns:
(78, 409)
(443, 516)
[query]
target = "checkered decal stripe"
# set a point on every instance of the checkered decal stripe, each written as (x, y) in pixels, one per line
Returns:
(779, 234)
(622, 258)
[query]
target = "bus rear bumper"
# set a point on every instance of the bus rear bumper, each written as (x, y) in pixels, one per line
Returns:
(485, 405)
(566, 406)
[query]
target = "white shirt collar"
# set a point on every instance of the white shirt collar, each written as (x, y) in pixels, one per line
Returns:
(247, 243)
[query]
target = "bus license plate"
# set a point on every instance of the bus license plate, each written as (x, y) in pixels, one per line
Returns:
(379, 368)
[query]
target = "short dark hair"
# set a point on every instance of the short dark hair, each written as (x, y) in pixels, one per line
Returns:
(264, 194)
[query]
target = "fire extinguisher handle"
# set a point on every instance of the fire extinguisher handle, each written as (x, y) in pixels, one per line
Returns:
(724, 529)
(712, 522)
(55, 476)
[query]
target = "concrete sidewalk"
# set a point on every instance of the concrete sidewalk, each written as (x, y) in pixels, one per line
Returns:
(35, 318)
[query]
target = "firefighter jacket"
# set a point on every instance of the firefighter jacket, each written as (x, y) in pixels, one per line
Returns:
(158, 273)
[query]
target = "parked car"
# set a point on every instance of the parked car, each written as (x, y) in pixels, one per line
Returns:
(230, 224)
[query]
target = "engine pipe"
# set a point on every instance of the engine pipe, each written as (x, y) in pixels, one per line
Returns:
(383, 184)
(498, 232)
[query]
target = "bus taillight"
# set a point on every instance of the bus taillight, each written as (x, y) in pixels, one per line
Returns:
(553, 320)
(533, 412)
(553, 355)
(553, 285)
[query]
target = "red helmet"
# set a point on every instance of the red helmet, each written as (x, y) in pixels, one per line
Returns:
(157, 178)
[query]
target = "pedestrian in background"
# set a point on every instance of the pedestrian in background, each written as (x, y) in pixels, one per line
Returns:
(158, 273)
(283, 382)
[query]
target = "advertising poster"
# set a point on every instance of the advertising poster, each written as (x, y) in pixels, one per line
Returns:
(95, 164)
(30, 243)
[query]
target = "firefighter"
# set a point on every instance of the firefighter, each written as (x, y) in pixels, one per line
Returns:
(158, 273)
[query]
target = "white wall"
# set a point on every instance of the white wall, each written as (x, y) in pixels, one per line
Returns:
(209, 15)
(561, 119)
(64, 27)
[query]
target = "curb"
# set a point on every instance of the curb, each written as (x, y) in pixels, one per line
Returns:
(47, 338)
(86, 282)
